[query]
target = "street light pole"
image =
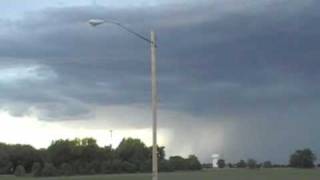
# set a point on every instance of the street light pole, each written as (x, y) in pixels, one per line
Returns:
(154, 86)
(111, 139)
(154, 105)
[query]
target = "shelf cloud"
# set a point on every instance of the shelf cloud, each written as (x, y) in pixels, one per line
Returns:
(242, 76)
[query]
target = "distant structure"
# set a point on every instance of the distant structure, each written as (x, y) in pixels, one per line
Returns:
(215, 159)
(111, 139)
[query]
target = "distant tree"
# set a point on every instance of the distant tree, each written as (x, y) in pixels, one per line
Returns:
(20, 171)
(133, 151)
(66, 169)
(178, 163)
(5, 163)
(106, 167)
(88, 142)
(193, 163)
(207, 165)
(230, 165)
(241, 164)
(64, 151)
(84, 156)
(161, 153)
(24, 155)
(86, 168)
(302, 159)
(36, 169)
(92, 167)
(129, 167)
(117, 166)
(165, 166)
(91, 153)
(221, 163)
(146, 166)
(107, 154)
(252, 164)
(49, 170)
(267, 164)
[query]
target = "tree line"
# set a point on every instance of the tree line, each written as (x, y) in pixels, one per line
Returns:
(304, 158)
(85, 157)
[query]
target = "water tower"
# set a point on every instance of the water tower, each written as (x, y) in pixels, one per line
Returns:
(215, 159)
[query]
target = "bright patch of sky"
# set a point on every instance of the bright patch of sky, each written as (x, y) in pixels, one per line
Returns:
(29, 130)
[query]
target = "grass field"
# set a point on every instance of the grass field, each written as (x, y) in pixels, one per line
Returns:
(230, 174)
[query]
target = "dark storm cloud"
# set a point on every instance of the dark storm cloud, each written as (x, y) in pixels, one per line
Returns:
(254, 63)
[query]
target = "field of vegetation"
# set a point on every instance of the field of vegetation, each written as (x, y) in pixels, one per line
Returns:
(226, 174)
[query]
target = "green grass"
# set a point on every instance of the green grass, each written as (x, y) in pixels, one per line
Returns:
(228, 174)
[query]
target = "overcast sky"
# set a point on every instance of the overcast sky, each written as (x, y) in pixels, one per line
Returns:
(236, 77)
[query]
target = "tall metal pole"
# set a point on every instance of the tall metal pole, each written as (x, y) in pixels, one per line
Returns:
(111, 139)
(154, 105)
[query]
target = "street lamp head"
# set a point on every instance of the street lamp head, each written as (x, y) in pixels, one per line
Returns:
(96, 22)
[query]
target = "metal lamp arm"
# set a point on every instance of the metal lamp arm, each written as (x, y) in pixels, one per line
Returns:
(132, 32)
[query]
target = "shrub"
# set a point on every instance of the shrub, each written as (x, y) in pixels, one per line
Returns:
(302, 159)
(252, 164)
(106, 167)
(241, 164)
(129, 167)
(193, 163)
(117, 166)
(267, 164)
(66, 169)
(20, 171)
(6, 168)
(230, 165)
(86, 168)
(146, 166)
(92, 167)
(36, 169)
(221, 163)
(49, 170)
(5, 163)
(165, 166)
